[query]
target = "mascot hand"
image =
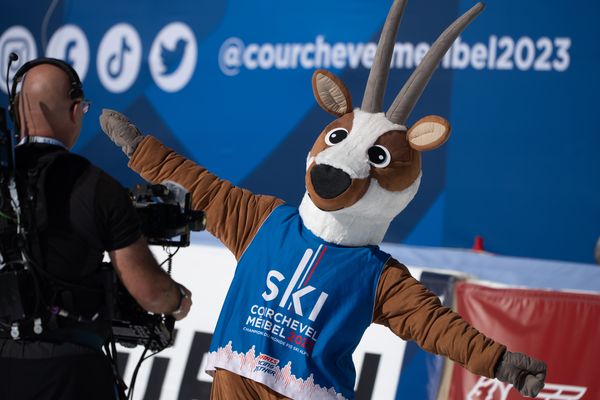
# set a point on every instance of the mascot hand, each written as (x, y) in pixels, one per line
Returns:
(120, 130)
(525, 373)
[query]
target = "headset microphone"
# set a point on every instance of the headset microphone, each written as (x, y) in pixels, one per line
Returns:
(12, 57)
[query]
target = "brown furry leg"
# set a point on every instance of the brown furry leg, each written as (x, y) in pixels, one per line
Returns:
(229, 386)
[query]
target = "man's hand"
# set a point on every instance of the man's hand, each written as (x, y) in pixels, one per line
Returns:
(153, 289)
(184, 305)
(525, 373)
(120, 130)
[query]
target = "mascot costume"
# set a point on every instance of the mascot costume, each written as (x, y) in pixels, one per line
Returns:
(311, 279)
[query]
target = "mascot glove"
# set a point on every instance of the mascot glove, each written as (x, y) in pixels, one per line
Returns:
(525, 373)
(120, 130)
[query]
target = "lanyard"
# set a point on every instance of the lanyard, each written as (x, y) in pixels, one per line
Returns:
(42, 139)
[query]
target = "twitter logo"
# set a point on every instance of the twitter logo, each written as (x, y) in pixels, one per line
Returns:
(172, 58)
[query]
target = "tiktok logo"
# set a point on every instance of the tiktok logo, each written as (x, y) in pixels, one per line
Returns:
(298, 286)
(119, 58)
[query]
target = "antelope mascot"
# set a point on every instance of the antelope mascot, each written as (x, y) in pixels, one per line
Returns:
(310, 280)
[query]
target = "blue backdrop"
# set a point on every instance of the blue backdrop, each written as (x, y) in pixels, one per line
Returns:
(227, 84)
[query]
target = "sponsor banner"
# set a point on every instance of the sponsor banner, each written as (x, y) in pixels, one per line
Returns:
(387, 368)
(560, 328)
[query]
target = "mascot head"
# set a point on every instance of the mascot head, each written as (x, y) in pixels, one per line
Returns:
(365, 166)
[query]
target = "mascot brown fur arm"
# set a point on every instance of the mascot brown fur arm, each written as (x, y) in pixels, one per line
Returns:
(413, 312)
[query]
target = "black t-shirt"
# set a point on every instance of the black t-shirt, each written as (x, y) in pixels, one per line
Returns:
(86, 213)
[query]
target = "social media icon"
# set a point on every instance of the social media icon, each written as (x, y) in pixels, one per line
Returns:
(70, 44)
(69, 48)
(173, 57)
(16, 39)
(119, 58)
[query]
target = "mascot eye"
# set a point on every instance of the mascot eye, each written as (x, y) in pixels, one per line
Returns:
(379, 156)
(336, 136)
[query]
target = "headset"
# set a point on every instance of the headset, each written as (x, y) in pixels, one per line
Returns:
(75, 91)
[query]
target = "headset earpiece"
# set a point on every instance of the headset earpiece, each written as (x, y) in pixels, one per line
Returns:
(76, 92)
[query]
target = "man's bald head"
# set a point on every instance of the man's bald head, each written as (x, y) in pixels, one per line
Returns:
(45, 106)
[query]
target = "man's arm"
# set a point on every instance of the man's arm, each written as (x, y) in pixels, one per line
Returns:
(149, 284)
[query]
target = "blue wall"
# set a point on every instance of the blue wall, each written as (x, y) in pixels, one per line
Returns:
(520, 168)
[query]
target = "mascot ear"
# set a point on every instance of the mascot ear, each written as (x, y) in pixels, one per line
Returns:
(428, 133)
(331, 93)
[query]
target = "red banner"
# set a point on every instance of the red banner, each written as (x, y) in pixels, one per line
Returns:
(560, 328)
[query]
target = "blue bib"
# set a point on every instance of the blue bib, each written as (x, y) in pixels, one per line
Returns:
(296, 310)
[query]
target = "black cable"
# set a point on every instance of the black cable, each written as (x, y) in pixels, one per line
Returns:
(169, 342)
(115, 361)
(135, 372)
(24, 263)
(12, 57)
(169, 259)
(153, 336)
(115, 368)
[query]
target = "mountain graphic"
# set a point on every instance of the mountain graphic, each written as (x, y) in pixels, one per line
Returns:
(172, 58)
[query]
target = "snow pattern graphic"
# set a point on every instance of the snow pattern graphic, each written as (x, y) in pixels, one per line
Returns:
(279, 379)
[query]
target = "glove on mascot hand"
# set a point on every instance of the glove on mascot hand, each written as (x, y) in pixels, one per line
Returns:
(314, 275)
(122, 132)
(525, 373)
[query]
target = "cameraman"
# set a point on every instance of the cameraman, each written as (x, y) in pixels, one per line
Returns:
(88, 213)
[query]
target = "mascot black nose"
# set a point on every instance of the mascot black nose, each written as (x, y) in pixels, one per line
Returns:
(329, 182)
